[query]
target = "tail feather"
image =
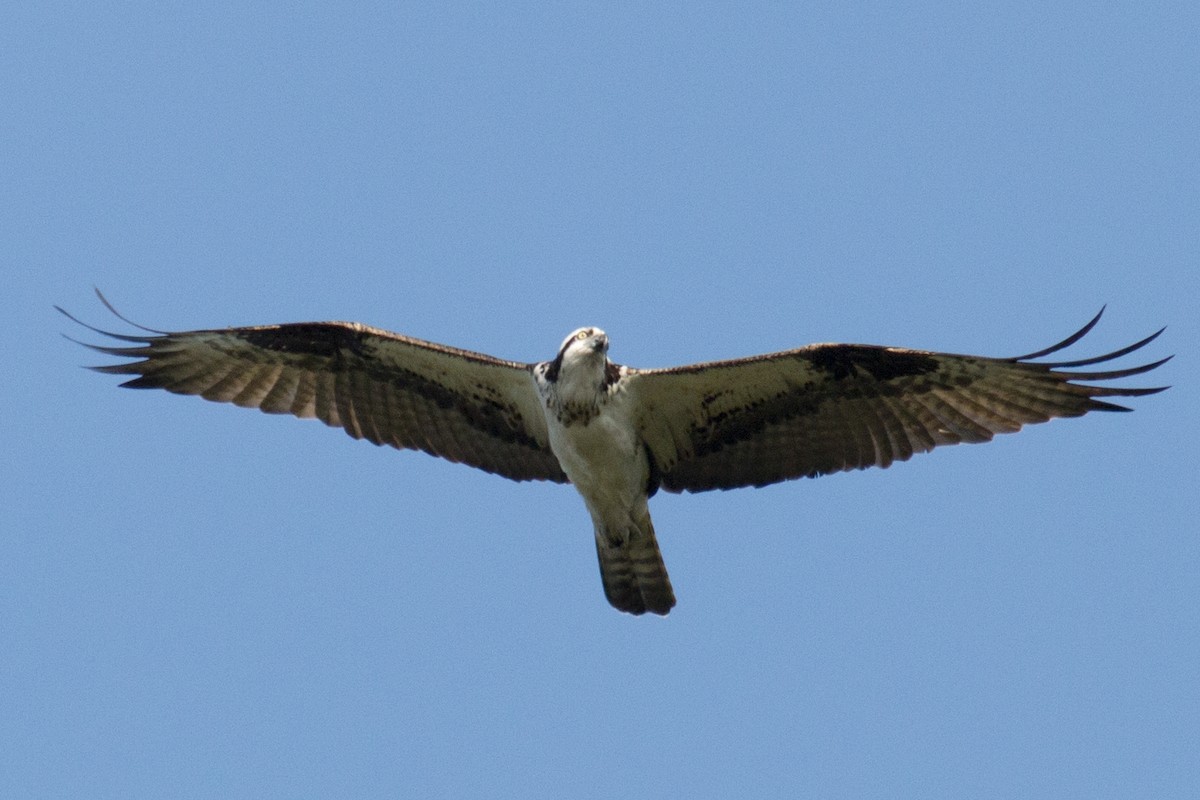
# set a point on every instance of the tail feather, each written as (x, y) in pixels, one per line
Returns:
(632, 569)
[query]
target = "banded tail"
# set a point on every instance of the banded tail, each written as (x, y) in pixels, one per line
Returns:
(631, 568)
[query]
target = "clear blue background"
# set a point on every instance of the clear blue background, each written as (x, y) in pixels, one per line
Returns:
(199, 601)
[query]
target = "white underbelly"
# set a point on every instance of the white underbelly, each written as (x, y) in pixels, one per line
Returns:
(604, 460)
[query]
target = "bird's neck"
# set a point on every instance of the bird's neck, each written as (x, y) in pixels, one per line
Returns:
(580, 390)
(581, 380)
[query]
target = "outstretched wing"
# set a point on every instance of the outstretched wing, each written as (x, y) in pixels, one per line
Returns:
(832, 407)
(379, 386)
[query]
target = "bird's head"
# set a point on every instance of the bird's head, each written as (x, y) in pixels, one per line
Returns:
(584, 343)
(582, 355)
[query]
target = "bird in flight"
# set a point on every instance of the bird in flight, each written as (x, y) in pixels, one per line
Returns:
(617, 433)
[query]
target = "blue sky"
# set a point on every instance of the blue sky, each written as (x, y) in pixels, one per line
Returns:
(200, 601)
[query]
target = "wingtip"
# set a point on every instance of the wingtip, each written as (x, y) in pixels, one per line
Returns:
(121, 316)
(101, 331)
(1067, 342)
(70, 316)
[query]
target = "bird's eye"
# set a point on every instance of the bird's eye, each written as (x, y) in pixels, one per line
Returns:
(581, 335)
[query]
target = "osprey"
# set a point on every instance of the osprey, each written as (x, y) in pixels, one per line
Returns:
(619, 434)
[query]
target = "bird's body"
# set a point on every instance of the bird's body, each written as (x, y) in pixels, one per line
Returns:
(592, 427)
(618, 434)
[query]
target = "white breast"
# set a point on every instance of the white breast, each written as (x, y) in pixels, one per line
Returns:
(604, 458)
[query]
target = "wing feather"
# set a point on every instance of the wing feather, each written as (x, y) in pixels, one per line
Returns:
(255, 394)
(376, 385)
(832, 407)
